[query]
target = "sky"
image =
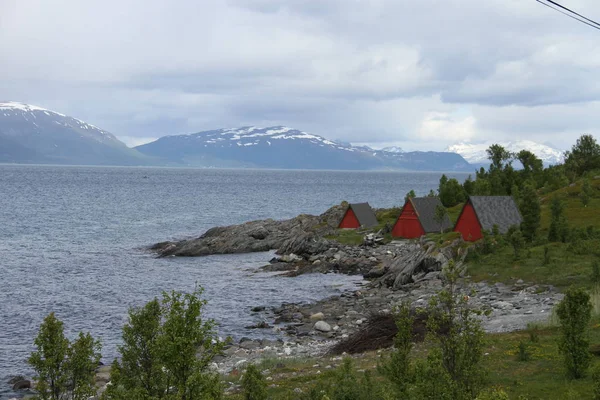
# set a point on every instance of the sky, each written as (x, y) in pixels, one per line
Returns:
(421, 74)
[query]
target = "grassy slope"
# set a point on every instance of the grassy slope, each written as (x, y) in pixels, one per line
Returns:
(565, 267)
(542, 377)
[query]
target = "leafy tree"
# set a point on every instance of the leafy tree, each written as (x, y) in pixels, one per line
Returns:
(498, 156)
(575, 313)
(584, 155)
(167, 349)
(559, 229)
(586, 193)
(516, 239)
(440, 215)
(397, 368)
(469, 186)
(451, 192)
(431, 193)
(531, 163)
(64, 370)
(455, 326)
(254, 384)
(530, 211)
(482, 187)
(410, 194)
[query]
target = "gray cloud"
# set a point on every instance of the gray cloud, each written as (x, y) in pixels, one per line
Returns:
(420, 72)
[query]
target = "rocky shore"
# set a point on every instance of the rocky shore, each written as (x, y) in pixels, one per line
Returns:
(399, 271)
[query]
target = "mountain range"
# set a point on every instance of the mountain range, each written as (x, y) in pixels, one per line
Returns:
(476, 153)
(31, 134)
(288, 148)
(34, 135)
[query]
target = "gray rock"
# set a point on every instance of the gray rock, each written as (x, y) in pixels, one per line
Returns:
(22, 384)
(322, 326)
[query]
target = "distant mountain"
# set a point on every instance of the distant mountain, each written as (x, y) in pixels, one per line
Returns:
(287, 148)
(31, 134)
(393, 149)
(476, 153)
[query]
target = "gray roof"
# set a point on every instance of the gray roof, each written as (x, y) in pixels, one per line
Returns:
(364, 213)
(496, 210)
(425, 208)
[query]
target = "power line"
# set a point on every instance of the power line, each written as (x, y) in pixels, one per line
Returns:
(573, 12)
(597, 26)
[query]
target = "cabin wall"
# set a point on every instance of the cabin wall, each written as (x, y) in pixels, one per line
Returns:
(350, 221)
(468, 225)
(408, 225)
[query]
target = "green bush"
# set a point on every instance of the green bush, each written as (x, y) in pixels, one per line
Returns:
(523, 352)
(397, 368)
(575, 313)
(167, 348)
(596, 382)
(64, 369)
(254, 385)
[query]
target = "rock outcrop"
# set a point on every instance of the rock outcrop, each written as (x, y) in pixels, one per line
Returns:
(300, 235)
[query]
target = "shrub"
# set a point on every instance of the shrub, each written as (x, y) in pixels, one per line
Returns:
(397, 368)
(523, 353)
(455, 326)
(531, 211)
(64, 369)
(547, 259)
(595, 272)
(254, 384)
(596, 382)
(517, 241)
(167, 349)
(559, 229)
(574, 313)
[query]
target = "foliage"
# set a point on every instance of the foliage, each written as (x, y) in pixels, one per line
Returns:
(546, 260)
(586, 193)
(523, 353)
(530, 211)
(596, 381)
(595, 272)
(397, 368)
(451, 192)
(64, 369)
(254, 384)
(516, 239)
(498, 155)
(455, 327)
(166, 352)
(346, 385)
(410, 194)
(440, 215)
(574, 312)
(584, 155)
(559, 229)
(494, 394)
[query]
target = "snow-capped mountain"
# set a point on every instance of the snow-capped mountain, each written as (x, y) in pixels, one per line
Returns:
(476, 153)
(287, 148)
(393, 149)
(31, 134)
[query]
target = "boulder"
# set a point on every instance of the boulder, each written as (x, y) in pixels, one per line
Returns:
(317, 316)
(22, 384)
(322, 326)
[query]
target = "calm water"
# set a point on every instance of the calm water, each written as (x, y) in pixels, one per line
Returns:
(71, 242)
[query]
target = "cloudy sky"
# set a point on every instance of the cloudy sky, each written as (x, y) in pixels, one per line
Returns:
(421, 74)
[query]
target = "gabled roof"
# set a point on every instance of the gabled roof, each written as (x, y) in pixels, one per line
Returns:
(364, 213)
(425, 209)
(496, 210)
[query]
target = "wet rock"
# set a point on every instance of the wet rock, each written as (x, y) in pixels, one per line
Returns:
(21, 384)
(258, 309)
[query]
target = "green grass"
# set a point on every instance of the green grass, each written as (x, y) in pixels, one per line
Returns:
(387, 216)
(569, 264)
(541, 377)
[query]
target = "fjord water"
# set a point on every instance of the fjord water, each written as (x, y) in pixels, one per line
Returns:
(72, 241)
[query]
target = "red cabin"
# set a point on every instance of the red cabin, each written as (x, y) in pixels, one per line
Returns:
(418, 218)
(357, 215)
(483, 212)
